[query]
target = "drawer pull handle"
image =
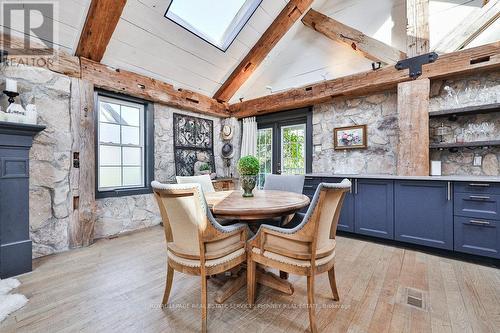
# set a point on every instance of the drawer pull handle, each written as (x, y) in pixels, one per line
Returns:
(479, 197)
(308, 186)
(479, 185)
(479, 222)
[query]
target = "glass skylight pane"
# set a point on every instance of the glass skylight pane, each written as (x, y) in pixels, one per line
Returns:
(217, 22)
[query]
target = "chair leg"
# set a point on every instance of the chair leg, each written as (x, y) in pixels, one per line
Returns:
(311, 304)
(251, 266)
(168, 285)
(333, 284)
(203, 303)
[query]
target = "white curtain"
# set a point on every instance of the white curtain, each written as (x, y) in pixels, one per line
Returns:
(249, 137)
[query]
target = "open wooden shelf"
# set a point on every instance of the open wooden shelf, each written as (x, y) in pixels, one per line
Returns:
(469, 110)
(465, 144)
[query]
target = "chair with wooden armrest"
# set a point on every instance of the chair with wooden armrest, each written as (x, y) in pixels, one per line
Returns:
(196, 243)
(307, 250)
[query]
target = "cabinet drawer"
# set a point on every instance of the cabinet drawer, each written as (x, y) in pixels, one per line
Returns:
(477, 236)
(477, 187)
(483, 206)
(312, 181)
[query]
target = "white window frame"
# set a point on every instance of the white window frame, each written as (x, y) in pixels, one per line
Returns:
(282, 142)
(142, 145)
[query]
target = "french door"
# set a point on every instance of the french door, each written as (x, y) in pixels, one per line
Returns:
(284, 143)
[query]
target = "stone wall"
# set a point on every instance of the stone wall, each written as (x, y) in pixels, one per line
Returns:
(460, 92)
(379, 113)
(50, 157)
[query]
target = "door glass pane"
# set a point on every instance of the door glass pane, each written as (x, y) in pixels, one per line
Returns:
(110, 155)
(109, 133)
(264, 153)
(110, 177)
(131, 135)
(132, 176)
(132, 156)
(293, 149)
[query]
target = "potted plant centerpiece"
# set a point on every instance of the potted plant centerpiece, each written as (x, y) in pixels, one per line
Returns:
(248, 167)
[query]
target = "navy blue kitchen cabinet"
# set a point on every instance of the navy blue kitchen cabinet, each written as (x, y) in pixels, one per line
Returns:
(424, 213)
(374, 208)
(346, 218)
(477, 215)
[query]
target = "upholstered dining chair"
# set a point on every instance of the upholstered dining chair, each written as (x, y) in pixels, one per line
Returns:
(307, 250)
(204, 180)
(196, 243)
(288, 183)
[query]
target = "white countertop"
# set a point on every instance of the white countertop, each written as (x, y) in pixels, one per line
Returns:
(439, 178)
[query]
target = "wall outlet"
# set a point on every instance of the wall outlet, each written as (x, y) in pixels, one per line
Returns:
(478, 160)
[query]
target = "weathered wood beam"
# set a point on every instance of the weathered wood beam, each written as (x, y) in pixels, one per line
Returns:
(150, 89)
(56, 61)
(485, 57)
(283, 22)
(471, 27)
(102, 19)
(417, 29)
(82, 179)
(413, 122)
(367, 46)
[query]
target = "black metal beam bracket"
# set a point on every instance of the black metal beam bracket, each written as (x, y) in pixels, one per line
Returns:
(415, 64)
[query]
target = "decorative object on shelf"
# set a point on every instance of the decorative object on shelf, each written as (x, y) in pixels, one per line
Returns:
(193, 144)
(441, 131)
(11, 85)
(435, 168)
(248, 167)
(350, 137)
(227, 132)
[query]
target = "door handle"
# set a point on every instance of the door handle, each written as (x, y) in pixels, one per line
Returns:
(479, 197)
(479, 185)
(477, 222)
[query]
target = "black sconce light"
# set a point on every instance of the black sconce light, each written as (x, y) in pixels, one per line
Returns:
(376, 65)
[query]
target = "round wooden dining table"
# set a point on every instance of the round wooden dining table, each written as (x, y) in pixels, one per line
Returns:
(263, 205)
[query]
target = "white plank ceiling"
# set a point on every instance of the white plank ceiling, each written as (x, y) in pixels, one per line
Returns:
(147, 43)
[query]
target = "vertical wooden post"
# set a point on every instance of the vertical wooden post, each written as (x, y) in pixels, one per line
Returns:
(81, 232)
(417, 29)
(413, 113)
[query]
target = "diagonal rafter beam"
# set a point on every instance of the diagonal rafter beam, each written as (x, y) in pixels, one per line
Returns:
(102, 19)
(471, 27)
(283, 22)
(367, 46)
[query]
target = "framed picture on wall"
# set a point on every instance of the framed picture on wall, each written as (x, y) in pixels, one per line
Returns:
(350, 137)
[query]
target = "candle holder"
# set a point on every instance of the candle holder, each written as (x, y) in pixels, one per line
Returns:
(11, 95)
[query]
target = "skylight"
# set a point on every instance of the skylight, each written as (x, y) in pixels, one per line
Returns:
(216, 22)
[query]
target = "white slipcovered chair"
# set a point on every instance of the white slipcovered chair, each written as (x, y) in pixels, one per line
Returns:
(204, 180)
(307, 250)
(196, 243)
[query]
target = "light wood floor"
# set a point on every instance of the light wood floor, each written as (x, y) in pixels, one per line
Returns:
(116, 285)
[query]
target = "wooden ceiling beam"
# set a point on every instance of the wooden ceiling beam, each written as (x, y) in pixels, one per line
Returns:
(101, 22)
(140, 86)
(283, 22)
(471, 27)
(56, 61)
(417, 29)
(485, 57)
(367, 46)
